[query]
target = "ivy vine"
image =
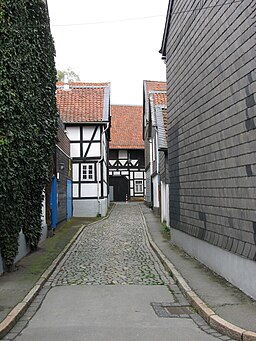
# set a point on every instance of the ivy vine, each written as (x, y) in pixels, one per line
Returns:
(28, 120)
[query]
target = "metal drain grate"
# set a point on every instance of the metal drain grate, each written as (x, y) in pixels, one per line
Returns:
(178, 310)
(171, 310)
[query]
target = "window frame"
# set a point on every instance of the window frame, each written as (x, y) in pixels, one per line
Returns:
(88, 172)
(140, 185)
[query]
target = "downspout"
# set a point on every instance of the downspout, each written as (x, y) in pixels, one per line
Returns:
(98, 167)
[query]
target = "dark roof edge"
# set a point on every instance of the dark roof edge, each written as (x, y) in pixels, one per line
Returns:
(163, 149)
(166, 29)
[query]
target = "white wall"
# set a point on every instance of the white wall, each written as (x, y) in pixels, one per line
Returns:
(165, 203)
(88, 132)
(155, 192)
(73, 133)
(90, 208)
(23, 249)
(239, 271)
(89, 190)
(167, 198)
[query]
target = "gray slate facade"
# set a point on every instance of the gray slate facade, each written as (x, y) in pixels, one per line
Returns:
(162, 144)
(209, 48)
(154, 94)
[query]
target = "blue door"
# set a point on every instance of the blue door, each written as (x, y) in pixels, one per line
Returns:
(69, 199)
(54, 202)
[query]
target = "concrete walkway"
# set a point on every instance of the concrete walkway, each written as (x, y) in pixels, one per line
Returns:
(111, 286)
(225, 300)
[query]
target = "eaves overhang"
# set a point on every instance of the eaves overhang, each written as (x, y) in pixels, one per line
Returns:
(166, 29)
(162, 140)
(86, 123)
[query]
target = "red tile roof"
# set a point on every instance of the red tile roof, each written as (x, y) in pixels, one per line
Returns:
(154, 94)
(83, 102)
(126, 127)
(155, 86)
(83, 84)
(160, 98)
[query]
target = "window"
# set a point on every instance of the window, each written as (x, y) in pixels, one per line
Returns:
(88, 172)
(113, 154)
(139, 186)
(122, 154)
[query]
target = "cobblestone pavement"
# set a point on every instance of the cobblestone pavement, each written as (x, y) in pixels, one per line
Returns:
(113, 251)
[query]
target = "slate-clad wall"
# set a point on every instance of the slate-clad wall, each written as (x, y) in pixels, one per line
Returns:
(164, 175)
(63, 167)
(211, 122)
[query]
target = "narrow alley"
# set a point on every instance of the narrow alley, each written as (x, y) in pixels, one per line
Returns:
(111, 286)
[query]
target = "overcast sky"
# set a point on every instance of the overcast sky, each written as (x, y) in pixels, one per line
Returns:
(104, 41)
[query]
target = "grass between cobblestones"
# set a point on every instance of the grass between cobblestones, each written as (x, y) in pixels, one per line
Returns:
(38, 261)
(35, 263)
(166, 232)
(15, 285)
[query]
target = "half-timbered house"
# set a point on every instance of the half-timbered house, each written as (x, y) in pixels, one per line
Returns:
(85, 110)
(154, 94)
(126, 154)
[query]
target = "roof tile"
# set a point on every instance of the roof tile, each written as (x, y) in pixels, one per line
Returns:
(81, 102)
(160, 97)
(155, 86)
(126, 127)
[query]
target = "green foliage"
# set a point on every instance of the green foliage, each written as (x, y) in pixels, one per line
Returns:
(28, 119)
(67, 75)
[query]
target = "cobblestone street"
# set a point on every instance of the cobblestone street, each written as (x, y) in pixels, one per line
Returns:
(113, 251)
(111, 286)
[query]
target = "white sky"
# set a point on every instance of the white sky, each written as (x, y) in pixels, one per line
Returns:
(123, 53)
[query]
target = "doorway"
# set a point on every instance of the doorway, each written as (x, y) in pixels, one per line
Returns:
(120, 187)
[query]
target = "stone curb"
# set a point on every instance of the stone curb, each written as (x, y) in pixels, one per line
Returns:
(214, 320)
(19, 310)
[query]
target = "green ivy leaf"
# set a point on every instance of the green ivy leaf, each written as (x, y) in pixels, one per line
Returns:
(28, 120)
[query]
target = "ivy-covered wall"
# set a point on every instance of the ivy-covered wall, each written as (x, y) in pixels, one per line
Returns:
(28, 120)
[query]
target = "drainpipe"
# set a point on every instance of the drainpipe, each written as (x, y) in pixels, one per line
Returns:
(98, 167)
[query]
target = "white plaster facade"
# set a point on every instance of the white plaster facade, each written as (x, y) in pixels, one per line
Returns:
(89, 168)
